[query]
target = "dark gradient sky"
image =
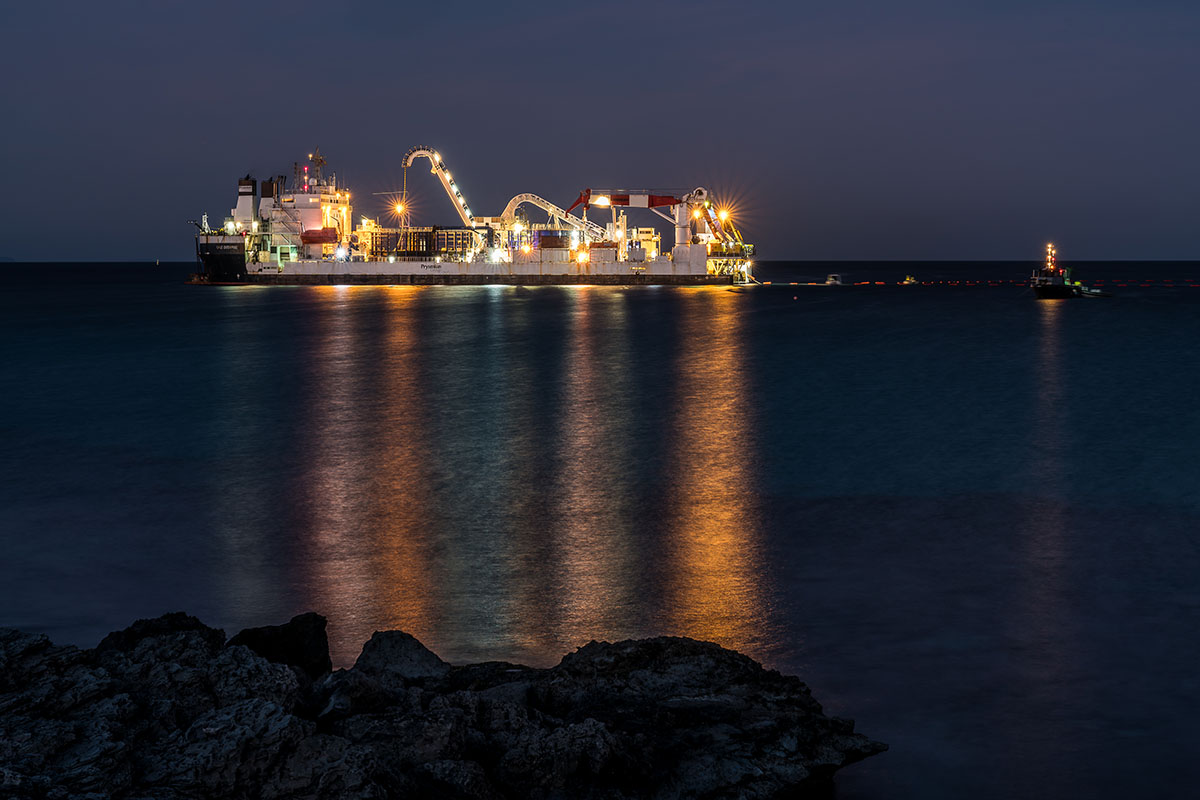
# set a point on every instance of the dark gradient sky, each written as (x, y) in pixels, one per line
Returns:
(921, 129)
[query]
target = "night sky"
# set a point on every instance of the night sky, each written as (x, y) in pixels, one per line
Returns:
(837, 130)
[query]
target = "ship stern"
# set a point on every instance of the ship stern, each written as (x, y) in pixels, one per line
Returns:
(222, 258)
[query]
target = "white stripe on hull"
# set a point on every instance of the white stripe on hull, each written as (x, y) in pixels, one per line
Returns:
(306, 268)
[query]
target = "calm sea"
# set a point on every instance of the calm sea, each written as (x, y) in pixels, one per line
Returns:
(967, 518)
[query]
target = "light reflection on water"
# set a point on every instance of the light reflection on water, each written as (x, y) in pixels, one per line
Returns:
(403, 595)
(1046, 655)
(239, 506)
(451, 491)
(1045, 541)
(965, 517)
(595, 557)
(338, 557)
(716, 572)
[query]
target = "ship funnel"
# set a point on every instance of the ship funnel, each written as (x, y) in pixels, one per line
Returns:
(246, 211)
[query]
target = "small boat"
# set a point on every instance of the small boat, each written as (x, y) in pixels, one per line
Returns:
(833, 279)
(1088, 291)
(909, 280)
(1050, 281)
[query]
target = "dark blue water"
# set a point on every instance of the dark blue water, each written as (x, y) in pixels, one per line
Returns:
(969, 519)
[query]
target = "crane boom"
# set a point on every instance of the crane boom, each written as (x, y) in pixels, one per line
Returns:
(716, 226)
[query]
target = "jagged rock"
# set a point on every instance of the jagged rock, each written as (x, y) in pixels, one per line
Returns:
(489, 675)
(161, 710)
(461, 779)
(167, 624)
(395, 658)
(61, 720)
(567, 757)
(228, 750)
(347, 692)
(237, 674)
(704, 716)
(299, 643)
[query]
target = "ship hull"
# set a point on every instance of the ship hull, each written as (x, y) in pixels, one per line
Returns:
(351, 279)
(1054, 291)
(222, 259)
(223, 262)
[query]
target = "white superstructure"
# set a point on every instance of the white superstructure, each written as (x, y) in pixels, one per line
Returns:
(304, 233)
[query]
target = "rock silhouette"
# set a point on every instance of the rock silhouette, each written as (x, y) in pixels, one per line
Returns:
(166, 709)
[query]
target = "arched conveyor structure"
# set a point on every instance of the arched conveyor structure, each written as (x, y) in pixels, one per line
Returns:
(590, 229)
(438, 167)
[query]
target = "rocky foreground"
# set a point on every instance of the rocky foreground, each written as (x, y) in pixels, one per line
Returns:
(167, 708)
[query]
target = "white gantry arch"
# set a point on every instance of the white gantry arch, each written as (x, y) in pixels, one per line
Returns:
(590, 229)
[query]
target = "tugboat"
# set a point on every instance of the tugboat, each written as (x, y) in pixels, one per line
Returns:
(1052, 282)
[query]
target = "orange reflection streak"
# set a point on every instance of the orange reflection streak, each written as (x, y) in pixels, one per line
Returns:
(401, 505)
(715, 589)
(335, 477)
(530, 620)
(595, 519)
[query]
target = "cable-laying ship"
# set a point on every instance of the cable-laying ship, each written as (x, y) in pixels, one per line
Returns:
(300, 233)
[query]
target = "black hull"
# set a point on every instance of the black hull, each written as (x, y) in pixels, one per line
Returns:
(222, 259)
(1055, 292)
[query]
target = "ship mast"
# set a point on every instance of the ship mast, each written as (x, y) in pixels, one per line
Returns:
(318, 161)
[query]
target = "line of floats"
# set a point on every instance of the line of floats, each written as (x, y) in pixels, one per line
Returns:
(1165, 283)
(1049, 281)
